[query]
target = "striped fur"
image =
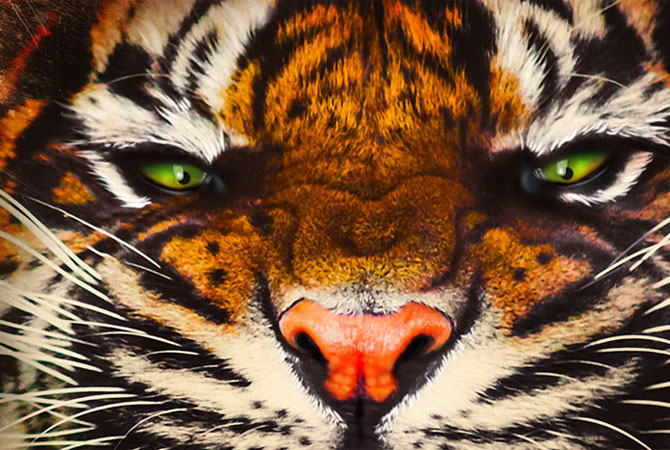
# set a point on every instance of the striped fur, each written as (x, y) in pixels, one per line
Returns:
(373, 155)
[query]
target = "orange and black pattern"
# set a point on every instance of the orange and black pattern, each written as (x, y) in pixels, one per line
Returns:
(412, 224)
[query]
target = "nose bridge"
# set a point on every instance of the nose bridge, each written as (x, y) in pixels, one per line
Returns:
(366, 228)
(404, 238)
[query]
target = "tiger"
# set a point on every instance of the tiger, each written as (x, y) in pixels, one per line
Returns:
(335, 224)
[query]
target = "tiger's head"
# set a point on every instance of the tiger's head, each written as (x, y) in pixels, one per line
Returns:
(379, 224)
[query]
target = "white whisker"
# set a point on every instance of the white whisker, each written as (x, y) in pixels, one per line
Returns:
(128, 263)
(141, 335)
(659, 329)
(627, 337)
(658, 386)
(597, 78)
(102, 408)
(99, 230)
(173, 352)
(39, 343)
(54, 298)
(527, 439)
(634, 350)
(104, 441)
(62, 391)
(22, 245)
(76, 401)
(555, 375)
(53, 434)
(20, 304)
(147, 419)
(652, 250)
(647, 403)
(24, 350)
(613, 428)
(60, 250)
(40, 332)
(128, 330)
(37, 365)
(588, 363)
(664, 304)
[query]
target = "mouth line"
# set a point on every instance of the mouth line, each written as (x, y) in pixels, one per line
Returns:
(360, 417)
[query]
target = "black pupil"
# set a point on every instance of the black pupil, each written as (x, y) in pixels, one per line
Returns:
(185, 178)
(566, 176)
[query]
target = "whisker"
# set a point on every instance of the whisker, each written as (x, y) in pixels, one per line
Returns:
(76, 401)
(644, 251)
(128, 263)
(664, 304)
(62, 391)
(527, 439)
(42, 297)
(555, 375)
(102, 408)
(658, 329)
(20, 304)
(40, 343)
(46, 236)
(588, 363)
(596, 77)
(625, 337)
(147, 419)
(658, 386)
(647, 403)
(173, 352)
(99, 230)
(53, 434)
(613, 428)
(37, 355)
(82, 284)
(49, 334)
(94, 442)
(643, 238)
(37, 365)
(634, 350)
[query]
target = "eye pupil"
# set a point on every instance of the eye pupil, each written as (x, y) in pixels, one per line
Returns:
(568, 174)
(181, 175)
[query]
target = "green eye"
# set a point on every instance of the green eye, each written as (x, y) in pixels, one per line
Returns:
(573, 168)
(175, 176)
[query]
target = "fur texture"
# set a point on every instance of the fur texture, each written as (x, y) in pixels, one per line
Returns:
(362, 155)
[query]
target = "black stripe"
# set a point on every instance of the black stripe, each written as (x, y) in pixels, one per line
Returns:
(539, 43)
(619, 56)
(423, 58)
(172, 47)
(126, 73)
(381, 33)
(559, 7)
(204, 362)
(203, 51)
(472, 46)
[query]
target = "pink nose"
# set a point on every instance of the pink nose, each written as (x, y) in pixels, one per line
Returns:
(362, 350)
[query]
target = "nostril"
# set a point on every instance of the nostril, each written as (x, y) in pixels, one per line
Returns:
(416, 347)
(306, 344)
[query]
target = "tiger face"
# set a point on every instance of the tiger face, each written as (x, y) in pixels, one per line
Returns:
(379, 224)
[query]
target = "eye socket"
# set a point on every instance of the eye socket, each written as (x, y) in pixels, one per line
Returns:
(177, 176)
(573, 168)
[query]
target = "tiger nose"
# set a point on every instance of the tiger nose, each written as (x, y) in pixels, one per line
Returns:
(362, 350)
